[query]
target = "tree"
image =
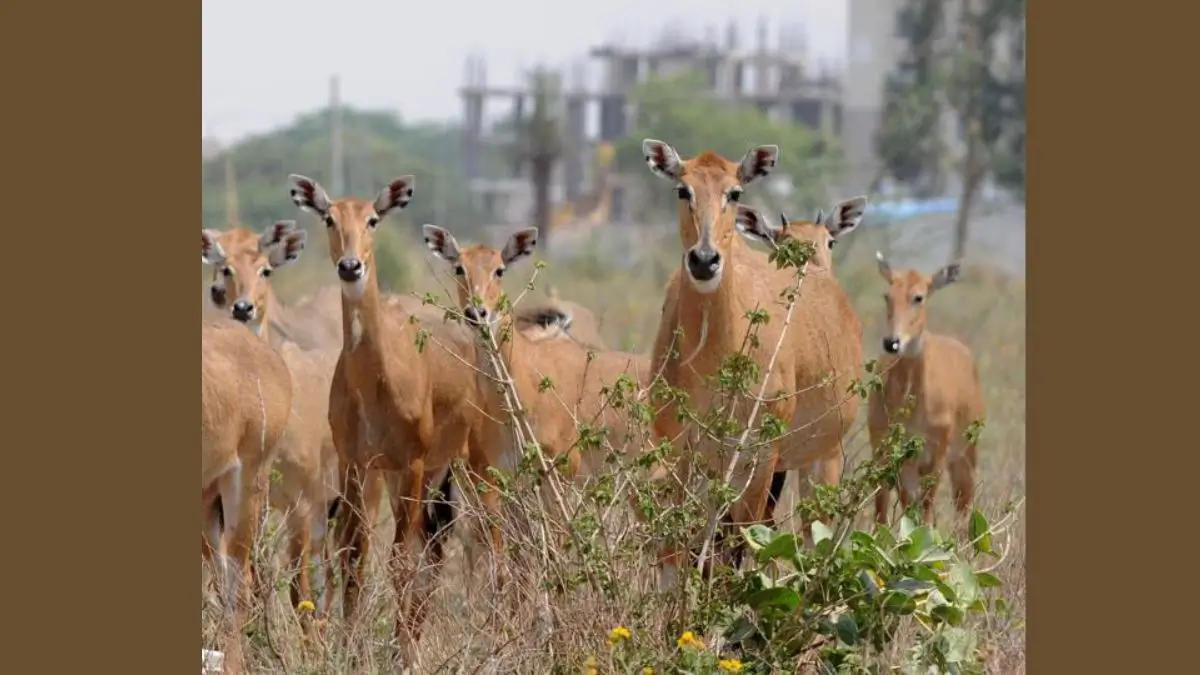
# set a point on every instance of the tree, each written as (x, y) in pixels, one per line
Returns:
(377, 147)
(539, 143)
(974, 69)
(909, 140)
(678, 110)
(990, 101)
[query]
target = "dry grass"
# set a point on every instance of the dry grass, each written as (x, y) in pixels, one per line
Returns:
(472, 629)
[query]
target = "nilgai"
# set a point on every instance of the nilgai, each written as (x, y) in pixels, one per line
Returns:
(721, 279)
(401, 400)
(931, 385)
(558, 380)
(306, 483)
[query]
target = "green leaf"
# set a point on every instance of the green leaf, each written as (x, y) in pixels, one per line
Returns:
(741, 630)
(847, 628)
(779, 597)
(979, 532)
(960, 643)
(757, 536)
(919, 541)
(906, 527)
(962, 580)
(782, 546)
(910, 586)
(863, 539)
(947, 614)
(986, 580)
(899, 602)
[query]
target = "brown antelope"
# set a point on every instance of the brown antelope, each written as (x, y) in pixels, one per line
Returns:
(721, 279)
(246, 395)
(530, 358)
(314, 321)
(823, 232)
(393, 404)
(307, 462)
(939, 373)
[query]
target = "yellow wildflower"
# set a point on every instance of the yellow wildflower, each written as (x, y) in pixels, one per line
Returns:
(730, 665)
(689, 639)
(617, 634)
(306, 606)
(591, 665)
(647, 671)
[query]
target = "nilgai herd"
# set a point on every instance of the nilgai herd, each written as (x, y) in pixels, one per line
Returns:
(322, 408)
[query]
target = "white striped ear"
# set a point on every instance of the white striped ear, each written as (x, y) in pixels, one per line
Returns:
(662, 159)
(309, 195)
(757, 163)
(947, 275)
(846, 216)
(396, 195)
(520, 244)
(287, 249)
(211, 252)
(275, 233)
(753, 225)
(441, 242)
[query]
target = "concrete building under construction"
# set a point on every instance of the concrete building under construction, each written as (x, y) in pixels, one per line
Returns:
(776, 79)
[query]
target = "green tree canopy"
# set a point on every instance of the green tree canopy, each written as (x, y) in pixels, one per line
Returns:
(677, 110)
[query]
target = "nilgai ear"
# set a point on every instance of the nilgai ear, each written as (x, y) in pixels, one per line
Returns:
(211, 252)
(846, 216)
(520, 244)
(757, 163)
(885, 270)
(662, 159)
(396, 195)
(441, 242)
(288, 248)
(947, 275)
(275, 233)
(753, 225)
(309, 195)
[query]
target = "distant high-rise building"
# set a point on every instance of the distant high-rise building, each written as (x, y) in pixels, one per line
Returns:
(873, 49)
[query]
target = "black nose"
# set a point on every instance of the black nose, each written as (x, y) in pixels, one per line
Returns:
(218, 296)
(475, 314)
(891, 345)
(702, 264)
(350, 269)
(242, 310)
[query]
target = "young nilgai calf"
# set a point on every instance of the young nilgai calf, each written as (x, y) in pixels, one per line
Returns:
(931, 385)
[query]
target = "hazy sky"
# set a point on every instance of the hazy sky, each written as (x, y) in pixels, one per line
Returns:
(266, 61)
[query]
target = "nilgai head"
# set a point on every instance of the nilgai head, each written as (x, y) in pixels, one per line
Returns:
(823, 230)
(708, 187)
(351, 223)
(243, 261)
(479, 269)
(907, 299)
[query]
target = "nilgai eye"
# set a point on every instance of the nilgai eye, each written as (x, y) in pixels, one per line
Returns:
(226, 271)
(832, 243)
(917, 299)
(735, 195)
(372, 221)
(328, 221)
(499, 272)
(684, 192)
(458, 269)
(266, 271)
